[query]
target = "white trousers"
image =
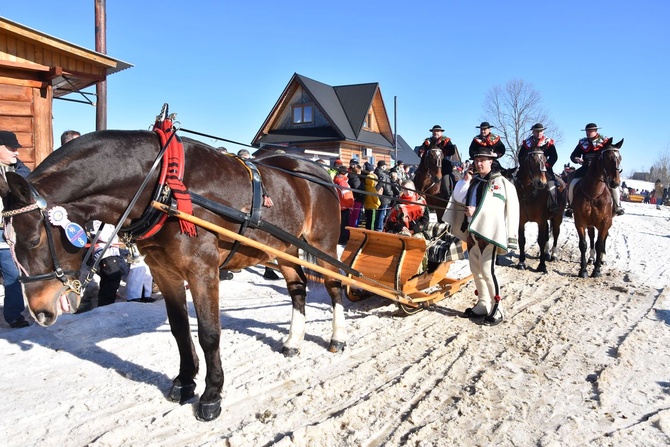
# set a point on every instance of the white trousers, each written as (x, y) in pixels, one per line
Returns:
(482, 266)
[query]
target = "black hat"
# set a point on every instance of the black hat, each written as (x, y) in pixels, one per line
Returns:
(399, 162)
(436, 128)
(538, 127)
(591, 126)
(381, 163)
(483, 151)
(484, 125)
(342, 169)
(8, 139)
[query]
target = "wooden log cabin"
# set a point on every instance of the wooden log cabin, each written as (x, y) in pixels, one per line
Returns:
(327, 122)
(35, 68)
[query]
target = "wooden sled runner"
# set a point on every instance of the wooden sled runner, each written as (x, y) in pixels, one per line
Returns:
(393, 260)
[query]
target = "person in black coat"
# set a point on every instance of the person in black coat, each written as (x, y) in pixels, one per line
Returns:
(487, 139)
(14, 303)
(387, 195)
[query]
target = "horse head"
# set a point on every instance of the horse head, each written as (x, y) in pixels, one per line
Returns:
(533, 169)
(48, 263)
(432, 163)
(608, 163)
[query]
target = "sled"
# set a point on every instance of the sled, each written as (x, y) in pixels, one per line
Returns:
(394, 261)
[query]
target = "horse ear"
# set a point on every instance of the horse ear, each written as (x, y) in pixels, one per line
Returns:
(619, 144)
(18, 188)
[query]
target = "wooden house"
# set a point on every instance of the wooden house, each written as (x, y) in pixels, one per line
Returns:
(322, 121)
(35, 68)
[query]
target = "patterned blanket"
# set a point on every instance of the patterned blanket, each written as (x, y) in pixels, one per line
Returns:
(441, 245)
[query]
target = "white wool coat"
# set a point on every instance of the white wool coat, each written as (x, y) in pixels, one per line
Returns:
(496, 219)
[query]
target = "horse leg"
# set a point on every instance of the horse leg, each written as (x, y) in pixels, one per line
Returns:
(339, 337)
(522, 246)
(174, 295)
(600, 249)
(592, 251)
(542, 241)
(556, 231)
(204, 286)
(296, 283)
(582, 250)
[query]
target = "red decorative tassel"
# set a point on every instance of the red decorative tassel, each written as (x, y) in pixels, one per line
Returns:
(174, 174)
(267, 201)
(497, 298)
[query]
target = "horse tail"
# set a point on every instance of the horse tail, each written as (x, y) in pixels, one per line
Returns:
(314, 278)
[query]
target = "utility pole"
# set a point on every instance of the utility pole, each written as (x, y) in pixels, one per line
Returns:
(101, 47)
(395, 128)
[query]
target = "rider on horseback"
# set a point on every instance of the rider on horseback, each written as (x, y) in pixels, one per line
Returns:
(538, 142)
(587, 149)
(490, 141)
(439, 141)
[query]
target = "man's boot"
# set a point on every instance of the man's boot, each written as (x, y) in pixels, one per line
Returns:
(616, 198)
(553, 205)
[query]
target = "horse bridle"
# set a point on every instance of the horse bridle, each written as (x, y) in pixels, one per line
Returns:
(58, 273)
(438, 164)
(543, 167)
(617, 156)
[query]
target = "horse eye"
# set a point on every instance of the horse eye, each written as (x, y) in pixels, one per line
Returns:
(34, 243)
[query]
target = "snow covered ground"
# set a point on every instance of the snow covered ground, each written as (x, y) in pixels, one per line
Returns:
(577, 362)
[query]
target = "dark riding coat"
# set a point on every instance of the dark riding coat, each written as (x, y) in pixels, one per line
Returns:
(587, 149)
(493, 142)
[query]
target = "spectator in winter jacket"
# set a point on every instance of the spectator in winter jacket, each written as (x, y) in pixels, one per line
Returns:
(372, 201)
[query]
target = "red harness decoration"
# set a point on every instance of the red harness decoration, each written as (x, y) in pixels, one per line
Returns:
(172, 172)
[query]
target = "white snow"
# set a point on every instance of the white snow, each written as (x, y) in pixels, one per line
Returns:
(577, 362)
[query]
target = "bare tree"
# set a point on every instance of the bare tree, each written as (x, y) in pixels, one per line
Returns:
(661, 168)
(513, 109)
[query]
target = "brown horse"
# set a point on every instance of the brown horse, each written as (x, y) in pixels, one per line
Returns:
(592, 204)
(432, 181)
(534, 197)
(97, 175)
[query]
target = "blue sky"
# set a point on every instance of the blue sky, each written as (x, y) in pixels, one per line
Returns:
(222, 65)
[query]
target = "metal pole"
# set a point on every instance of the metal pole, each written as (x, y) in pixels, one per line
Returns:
(101, 47)
(395, 127)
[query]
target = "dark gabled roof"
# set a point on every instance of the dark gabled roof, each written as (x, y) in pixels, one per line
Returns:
(356, 101)
(406, 152)
(329, 104)
(345, 107)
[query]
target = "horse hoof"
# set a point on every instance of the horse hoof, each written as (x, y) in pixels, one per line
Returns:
(596, 274)
(336, 346)
(208, 411)
(290, 352)
(181, 393)
(521, 266)
(553, 258)
(590, 261)
(542, 269)
(583, 274)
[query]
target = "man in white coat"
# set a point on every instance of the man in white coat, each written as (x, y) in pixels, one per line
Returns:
(484, 211)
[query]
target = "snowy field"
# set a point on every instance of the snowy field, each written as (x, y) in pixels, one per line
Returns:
(577, 362)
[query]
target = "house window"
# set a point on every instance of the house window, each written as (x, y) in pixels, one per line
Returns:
(303, 113)
(367, 124)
